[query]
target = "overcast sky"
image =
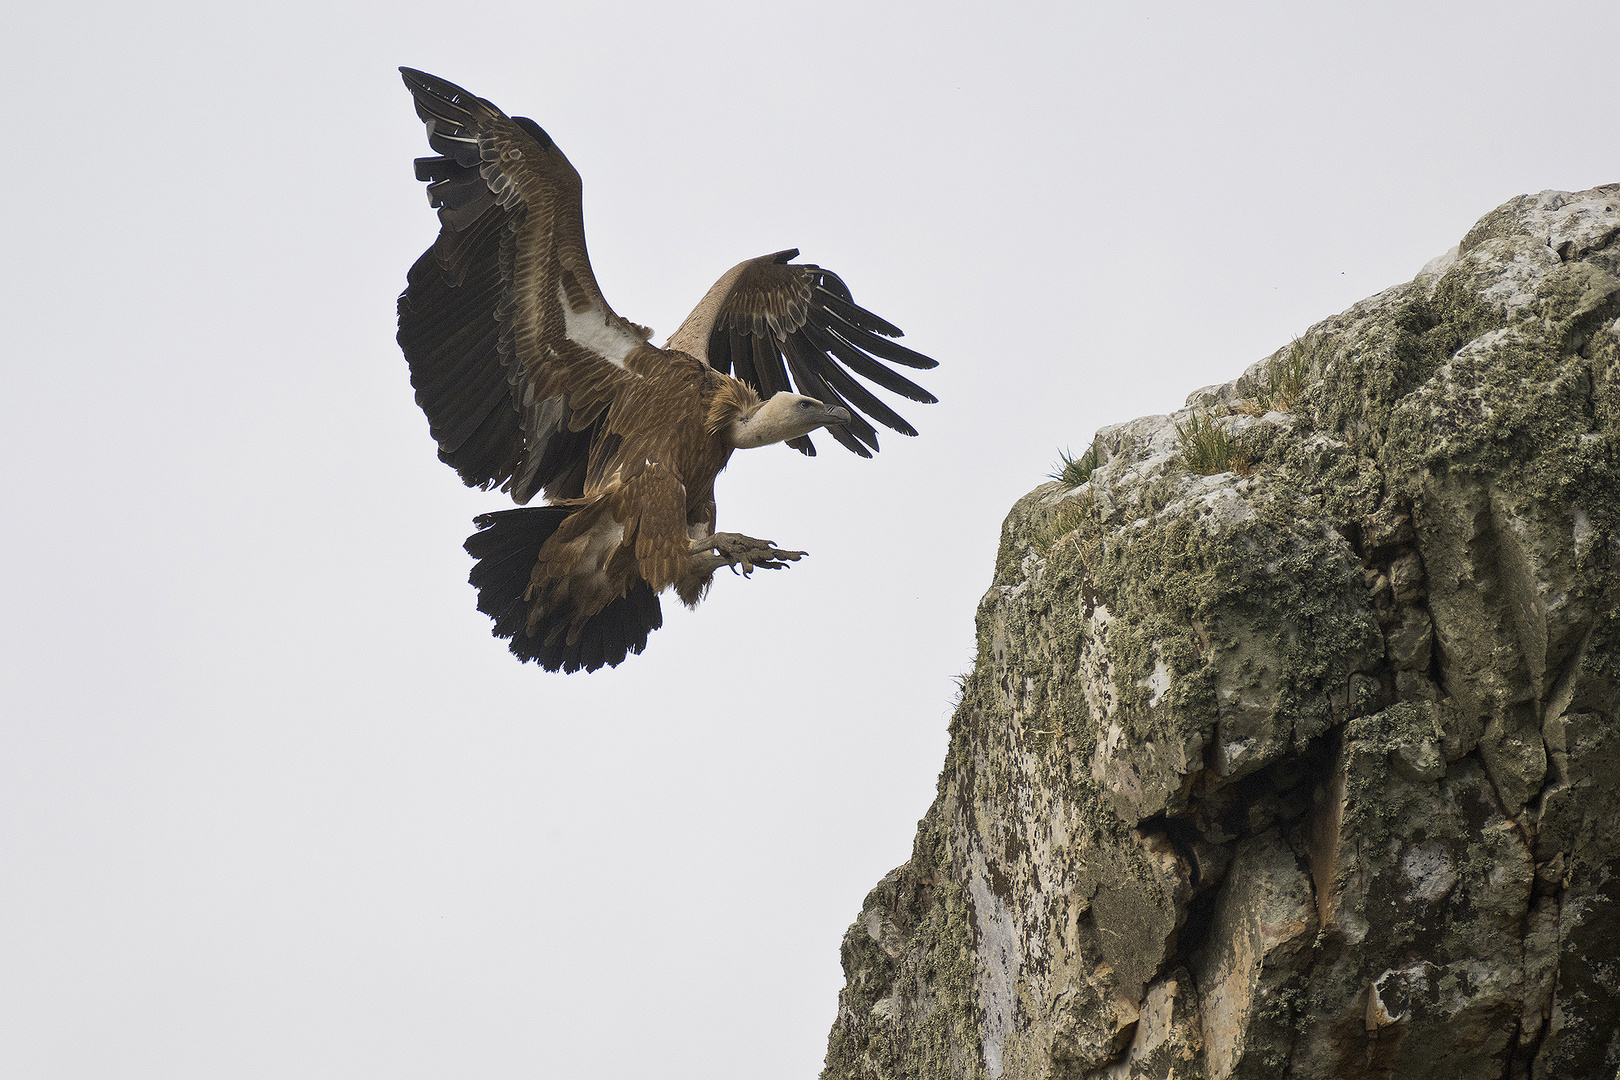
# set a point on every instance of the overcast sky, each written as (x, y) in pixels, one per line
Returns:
(274, 803)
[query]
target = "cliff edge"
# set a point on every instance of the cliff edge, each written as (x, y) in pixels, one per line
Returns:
(1292, 745)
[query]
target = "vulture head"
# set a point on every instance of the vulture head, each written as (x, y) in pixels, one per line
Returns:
(785, 416)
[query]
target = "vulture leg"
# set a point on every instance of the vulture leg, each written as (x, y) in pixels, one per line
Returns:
(742, 553)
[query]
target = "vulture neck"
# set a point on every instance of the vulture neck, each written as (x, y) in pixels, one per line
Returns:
(778, 420)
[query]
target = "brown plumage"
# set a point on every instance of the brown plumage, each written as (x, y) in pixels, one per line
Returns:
(531, 382)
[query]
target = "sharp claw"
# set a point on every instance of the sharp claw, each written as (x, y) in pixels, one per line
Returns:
(745, 554)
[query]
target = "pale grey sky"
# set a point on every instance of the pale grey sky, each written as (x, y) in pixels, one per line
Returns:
(274, 803)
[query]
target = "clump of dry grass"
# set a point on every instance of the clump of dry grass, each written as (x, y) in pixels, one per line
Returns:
(1207, 449)
(1285, 381)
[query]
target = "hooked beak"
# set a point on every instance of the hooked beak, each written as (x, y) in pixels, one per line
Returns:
(836, 415)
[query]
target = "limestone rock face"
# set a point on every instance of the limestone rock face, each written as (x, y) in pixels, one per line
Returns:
(1292, 746)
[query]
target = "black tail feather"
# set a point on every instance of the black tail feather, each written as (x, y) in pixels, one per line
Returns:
(506, 546)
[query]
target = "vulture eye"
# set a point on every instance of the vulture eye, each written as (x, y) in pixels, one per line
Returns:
(806, 404)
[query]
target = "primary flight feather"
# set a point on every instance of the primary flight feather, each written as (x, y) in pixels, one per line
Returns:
(533, 383)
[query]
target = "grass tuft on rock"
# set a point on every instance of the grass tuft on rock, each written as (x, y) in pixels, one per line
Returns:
(1207, 449)
(1285, 380)
(1075, 471)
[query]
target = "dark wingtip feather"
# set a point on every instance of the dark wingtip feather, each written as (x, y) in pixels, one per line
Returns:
(848, 440)
(418, 81)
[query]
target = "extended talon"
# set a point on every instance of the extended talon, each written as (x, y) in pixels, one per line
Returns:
(745, 554)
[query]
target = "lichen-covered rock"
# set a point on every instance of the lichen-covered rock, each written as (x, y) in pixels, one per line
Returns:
(1292, 744)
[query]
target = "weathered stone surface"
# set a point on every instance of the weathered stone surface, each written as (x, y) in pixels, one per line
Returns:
(1305, 768)
(1251, 966)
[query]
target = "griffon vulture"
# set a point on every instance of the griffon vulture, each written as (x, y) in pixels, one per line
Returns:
(530, 381)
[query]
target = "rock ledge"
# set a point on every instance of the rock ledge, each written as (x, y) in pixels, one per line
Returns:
(1305, 767)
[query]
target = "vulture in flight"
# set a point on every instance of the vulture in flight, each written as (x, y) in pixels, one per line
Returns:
(530, 381)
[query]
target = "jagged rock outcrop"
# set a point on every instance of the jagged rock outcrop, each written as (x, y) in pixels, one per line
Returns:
(1292, 746)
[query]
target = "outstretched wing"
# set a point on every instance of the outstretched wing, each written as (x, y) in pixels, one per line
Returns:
(514, 353)
(784, 326)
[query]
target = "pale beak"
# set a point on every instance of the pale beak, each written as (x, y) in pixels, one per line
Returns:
(835, 415)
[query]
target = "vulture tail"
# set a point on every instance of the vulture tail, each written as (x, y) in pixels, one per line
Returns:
(507, 546)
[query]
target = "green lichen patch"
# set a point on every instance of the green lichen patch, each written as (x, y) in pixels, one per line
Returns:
(907, 1010)
(1279, 588)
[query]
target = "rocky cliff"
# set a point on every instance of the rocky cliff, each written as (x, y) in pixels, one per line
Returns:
(1292, 746)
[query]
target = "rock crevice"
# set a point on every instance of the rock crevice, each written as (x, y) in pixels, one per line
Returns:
(1290, 745)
